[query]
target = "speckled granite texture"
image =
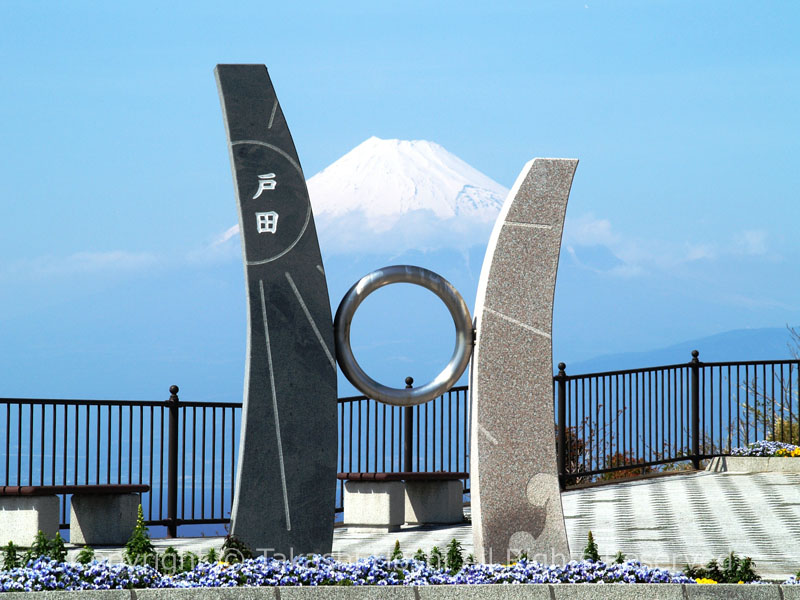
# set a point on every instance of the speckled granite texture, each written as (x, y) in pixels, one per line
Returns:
(516, 503)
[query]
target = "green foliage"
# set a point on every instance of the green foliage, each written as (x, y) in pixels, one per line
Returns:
(235, 550)
(85, 556)
(189, 561)
(734, 569)
(57, 548)
(591, 552)
(139, 550)
(436, 559)
(420, 556)
(169, 562)
(455, 556)
(211, 556)
(40, 547)
(397, 554)
(470, 559)
(10, 556)
(619, 558)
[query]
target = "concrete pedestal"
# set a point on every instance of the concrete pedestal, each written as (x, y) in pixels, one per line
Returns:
(434, 502)
(378, 505)
(106, 519)
(22, 517)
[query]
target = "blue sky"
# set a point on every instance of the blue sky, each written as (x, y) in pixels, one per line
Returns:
(115, 181)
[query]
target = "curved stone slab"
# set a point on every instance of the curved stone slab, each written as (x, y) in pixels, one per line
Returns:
(516, 501)
(286, 479)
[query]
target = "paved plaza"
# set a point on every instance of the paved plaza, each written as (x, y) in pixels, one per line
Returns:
(664, 521)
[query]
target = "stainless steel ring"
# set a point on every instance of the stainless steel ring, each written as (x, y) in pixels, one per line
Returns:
(458, 310)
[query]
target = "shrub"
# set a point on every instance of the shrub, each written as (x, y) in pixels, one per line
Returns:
(436, 559)
(235, 550)
(619, 558)
(139, 550)
(420, 556)
(10, 556)
(591, 552)
(169, 562)
(40, 547)
(397, 554)
(189, 561)
(733, 570)
(57, 549)
(455, 556)
(85, 556)
(211, 556)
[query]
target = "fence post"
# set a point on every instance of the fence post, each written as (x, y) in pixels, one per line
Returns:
(561, 447)
(172, 474)
(695, 366)
(408, 430)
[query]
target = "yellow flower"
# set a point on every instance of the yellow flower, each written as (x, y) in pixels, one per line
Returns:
(704, 580)
(740, 582)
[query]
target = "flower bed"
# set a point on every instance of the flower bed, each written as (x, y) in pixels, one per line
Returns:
(765, 448)
(44, 574)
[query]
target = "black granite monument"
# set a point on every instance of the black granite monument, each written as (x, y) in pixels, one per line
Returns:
(285, 484)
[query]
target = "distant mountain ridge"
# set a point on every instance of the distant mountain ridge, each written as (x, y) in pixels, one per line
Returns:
(768, 343)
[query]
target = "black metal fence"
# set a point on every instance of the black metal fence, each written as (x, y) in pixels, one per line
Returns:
(187, 451)
(637, 421)
(608, 425)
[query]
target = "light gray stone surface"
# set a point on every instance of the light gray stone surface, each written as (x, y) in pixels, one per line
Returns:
(286, 475)
(21, 518)
(516, 503)
(754, 464)
(106, 519)
(434, 502)
(237, 593)
(732, 591)
(617, 591)
(374, 504)
(347, 593)
(561, 591)
(484, 592)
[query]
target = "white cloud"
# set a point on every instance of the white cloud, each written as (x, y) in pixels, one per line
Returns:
(752, 242)
(78, 263)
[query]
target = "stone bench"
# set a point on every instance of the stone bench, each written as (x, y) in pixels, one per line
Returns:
(99, 514)
(385, 501)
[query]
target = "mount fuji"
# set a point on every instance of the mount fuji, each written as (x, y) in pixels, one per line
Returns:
(398, 195)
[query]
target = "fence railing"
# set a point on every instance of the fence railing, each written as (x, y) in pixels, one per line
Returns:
(637, 421)
(608, 425)
(187, 451)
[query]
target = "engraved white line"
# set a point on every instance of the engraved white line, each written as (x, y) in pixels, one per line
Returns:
(275, 407)
(272, 116)
(311, 320)
(528, 225)
(280, 151)
(485, 432)
(320, 269)
(520, 323)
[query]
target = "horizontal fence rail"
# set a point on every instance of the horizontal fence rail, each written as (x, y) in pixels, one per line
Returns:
(187, 451)
(639, 421)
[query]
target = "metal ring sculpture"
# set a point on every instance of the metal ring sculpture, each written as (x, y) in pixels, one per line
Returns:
(458, 310)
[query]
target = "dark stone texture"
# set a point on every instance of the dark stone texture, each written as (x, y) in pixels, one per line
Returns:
(286, 478)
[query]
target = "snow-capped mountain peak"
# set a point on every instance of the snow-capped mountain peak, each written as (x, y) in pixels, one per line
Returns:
(388, 178)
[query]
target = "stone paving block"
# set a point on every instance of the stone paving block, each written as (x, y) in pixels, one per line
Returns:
(374, 504)
(485, 592)
(347, 593)
(237, 593)
(617, 591)
(434, 502)
(732, 591)
(21, 518)
(106, 519)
